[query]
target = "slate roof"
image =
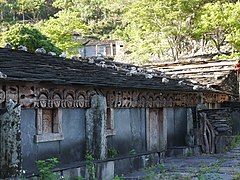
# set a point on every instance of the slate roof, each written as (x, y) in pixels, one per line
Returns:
(31, 67)
(219, 74)
(99, 42)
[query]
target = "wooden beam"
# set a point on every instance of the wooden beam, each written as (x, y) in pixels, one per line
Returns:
(198, 71)
(192, 66)
(203, 76)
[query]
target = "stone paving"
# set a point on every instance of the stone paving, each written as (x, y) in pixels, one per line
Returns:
(218, 166)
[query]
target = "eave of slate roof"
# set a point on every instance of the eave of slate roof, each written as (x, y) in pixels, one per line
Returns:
(31, 67)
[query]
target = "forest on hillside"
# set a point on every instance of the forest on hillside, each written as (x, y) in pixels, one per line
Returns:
(151, 29)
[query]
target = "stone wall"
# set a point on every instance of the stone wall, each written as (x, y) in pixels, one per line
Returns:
(69, 150)
(217, 127)
(129, 128)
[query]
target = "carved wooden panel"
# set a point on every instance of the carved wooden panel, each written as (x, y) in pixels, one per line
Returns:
(2, 96)
(12, 93)
(154, 129)
(29, 96)
(150, 99)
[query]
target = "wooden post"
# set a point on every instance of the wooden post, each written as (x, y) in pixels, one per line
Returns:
(10, 141)
(189, 120)
(237, 68)
(238, 79)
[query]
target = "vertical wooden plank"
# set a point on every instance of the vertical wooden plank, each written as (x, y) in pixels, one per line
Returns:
(57, 120)
(180, 119)
(147, 129)
(111, 49)
(164, 131)
(47, 120)
(169, 113)
(110, 118)
(39, 121)
(154, 129)
(189, 120)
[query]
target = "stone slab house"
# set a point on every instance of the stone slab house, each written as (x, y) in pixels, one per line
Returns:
(218, 74)
(104, 48)
(55, 107)
(221, 120)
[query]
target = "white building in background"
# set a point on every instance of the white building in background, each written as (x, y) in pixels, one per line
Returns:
(104, 48)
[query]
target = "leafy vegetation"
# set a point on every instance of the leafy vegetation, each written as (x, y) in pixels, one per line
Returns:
(155, 29)
(235, 142)
(28, 36)
(90, 166)
(45, 168)
(112, 152)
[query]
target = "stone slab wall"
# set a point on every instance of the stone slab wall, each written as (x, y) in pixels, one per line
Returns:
(130, 134)
(176, 126)
(70, 149)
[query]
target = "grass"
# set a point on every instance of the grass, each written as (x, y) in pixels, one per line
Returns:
(235, 142)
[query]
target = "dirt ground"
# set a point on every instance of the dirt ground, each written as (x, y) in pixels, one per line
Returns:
(214, 167)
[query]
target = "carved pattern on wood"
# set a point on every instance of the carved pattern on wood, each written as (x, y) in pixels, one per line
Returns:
(150, 99)
(2, 96)
(64, 98)
(73, 97)
(214, 97)
(12, 93)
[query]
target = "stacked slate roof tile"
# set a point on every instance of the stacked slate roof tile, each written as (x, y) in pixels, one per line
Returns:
(31, 67)
(218, 74)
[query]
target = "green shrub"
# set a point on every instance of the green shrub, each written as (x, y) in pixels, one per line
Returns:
(112, 152)
(45, 168)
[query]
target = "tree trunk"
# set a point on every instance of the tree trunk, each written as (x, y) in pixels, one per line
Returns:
(23, 17)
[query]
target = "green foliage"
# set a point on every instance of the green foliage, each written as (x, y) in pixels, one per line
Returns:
(61, 28)
(219, 21)
(102, 17)
(236, 176)
(90, 166)
(112, 152)
(28, 36)
(132, 152)
(118, 178)
(158, 26)
(45, 168)
(235, 142)
(32, 6)
(189, 152)
(162, 168)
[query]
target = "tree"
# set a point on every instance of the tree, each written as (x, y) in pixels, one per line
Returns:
(102, 17)
(233, 36)
(28, 36)
(167, 23)
(212, 24)
(61, 28)
(30, 6)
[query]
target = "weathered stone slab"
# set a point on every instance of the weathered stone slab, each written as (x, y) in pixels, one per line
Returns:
(95, 127)
(105, 170)
(10, 141)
